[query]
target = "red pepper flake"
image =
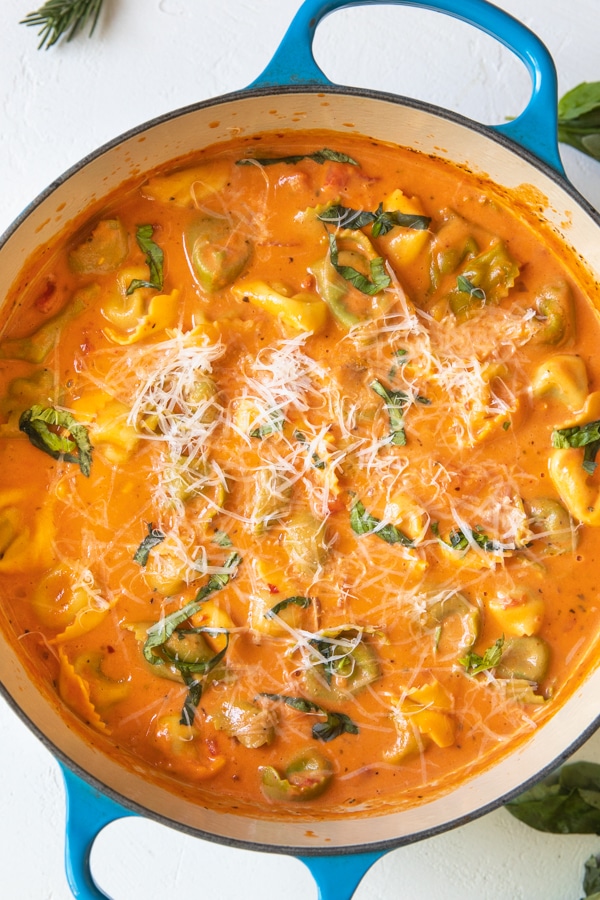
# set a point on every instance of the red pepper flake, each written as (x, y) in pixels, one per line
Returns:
(273, 589)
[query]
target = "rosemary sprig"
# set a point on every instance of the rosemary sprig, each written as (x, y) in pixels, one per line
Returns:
(58, 18)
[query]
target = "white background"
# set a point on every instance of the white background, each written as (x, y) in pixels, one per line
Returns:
(144, 60)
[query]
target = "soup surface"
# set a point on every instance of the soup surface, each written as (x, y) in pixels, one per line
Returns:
(298, 503)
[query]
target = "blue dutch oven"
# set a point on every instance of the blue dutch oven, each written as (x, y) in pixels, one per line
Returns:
(293, 93)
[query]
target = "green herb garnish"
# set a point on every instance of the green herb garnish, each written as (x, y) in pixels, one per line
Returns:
(474, 663)
(58, 434)
(334, 725)
(58, 18)
(318, 463)
(273, 425)
(303, 602)
(579, 118)
(152, 539)
(467, 287)
(379, 278)
(161, 631)
(362, 522)
(222, 539)
(586, 436)
(381, 220)
(319, 156)
(395, 401)
(154, 260)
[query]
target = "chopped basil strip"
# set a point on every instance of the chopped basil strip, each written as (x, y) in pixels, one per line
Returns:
(274, 424)
(189, 672)
(382, 221)
(334, 725)
(69, 442)
(303, 602)
(154, 260)
(222, 539)
(586, 436)
(458, 540)
(151, 540)
(380, 279)
(317, 461)
(395, 401)
(161, 631)
(474, 663)
(467, 287)
(363, 522)
(319, 156)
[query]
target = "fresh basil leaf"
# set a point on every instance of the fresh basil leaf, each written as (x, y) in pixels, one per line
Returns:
(474, 663)
(395, 402)
(362, 522)
(334, 725)
(195, 685)
(318, 463)
(467, 287)
(458, 540)
(385, 220)
(154, 260)
(70, 442)
(379, 278)
(273, 425)
(586, 436)
(346, 217)
(152, 539)
(319, 156)
(579, 118)
(577, 435)
(561, 803)
(159, 633)
(382, 221)
(303, 602)
(591, 878)
(222, 539)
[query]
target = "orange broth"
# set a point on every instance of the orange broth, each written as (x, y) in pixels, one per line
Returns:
(346, 477)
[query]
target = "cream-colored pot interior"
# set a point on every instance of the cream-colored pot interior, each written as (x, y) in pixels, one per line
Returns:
(388, 119)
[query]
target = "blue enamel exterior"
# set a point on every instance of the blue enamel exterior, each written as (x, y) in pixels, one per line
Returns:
(535, 130)
(88, 812)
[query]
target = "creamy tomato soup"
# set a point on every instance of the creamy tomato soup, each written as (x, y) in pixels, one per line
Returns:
(298, 501)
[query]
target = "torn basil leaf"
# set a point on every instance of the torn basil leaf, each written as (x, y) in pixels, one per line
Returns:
(159, 633)
(334, 725)
(154, 260)
(273, 425)
(152, 539)
(319, 156)
(362, 522)
(379, 278)
(303, 602)
(222, 539)
(474, 663)
(579, 118)
(381, 220)
(467, 287)
(567, 802)
(586, 436)
(68, 441)
(395, 401)
(318, 463)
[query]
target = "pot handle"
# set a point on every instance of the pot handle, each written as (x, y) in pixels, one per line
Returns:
(88, 812)
(535, 129)
(337, 877)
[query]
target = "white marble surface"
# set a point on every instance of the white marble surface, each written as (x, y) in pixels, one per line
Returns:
(146, 59)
